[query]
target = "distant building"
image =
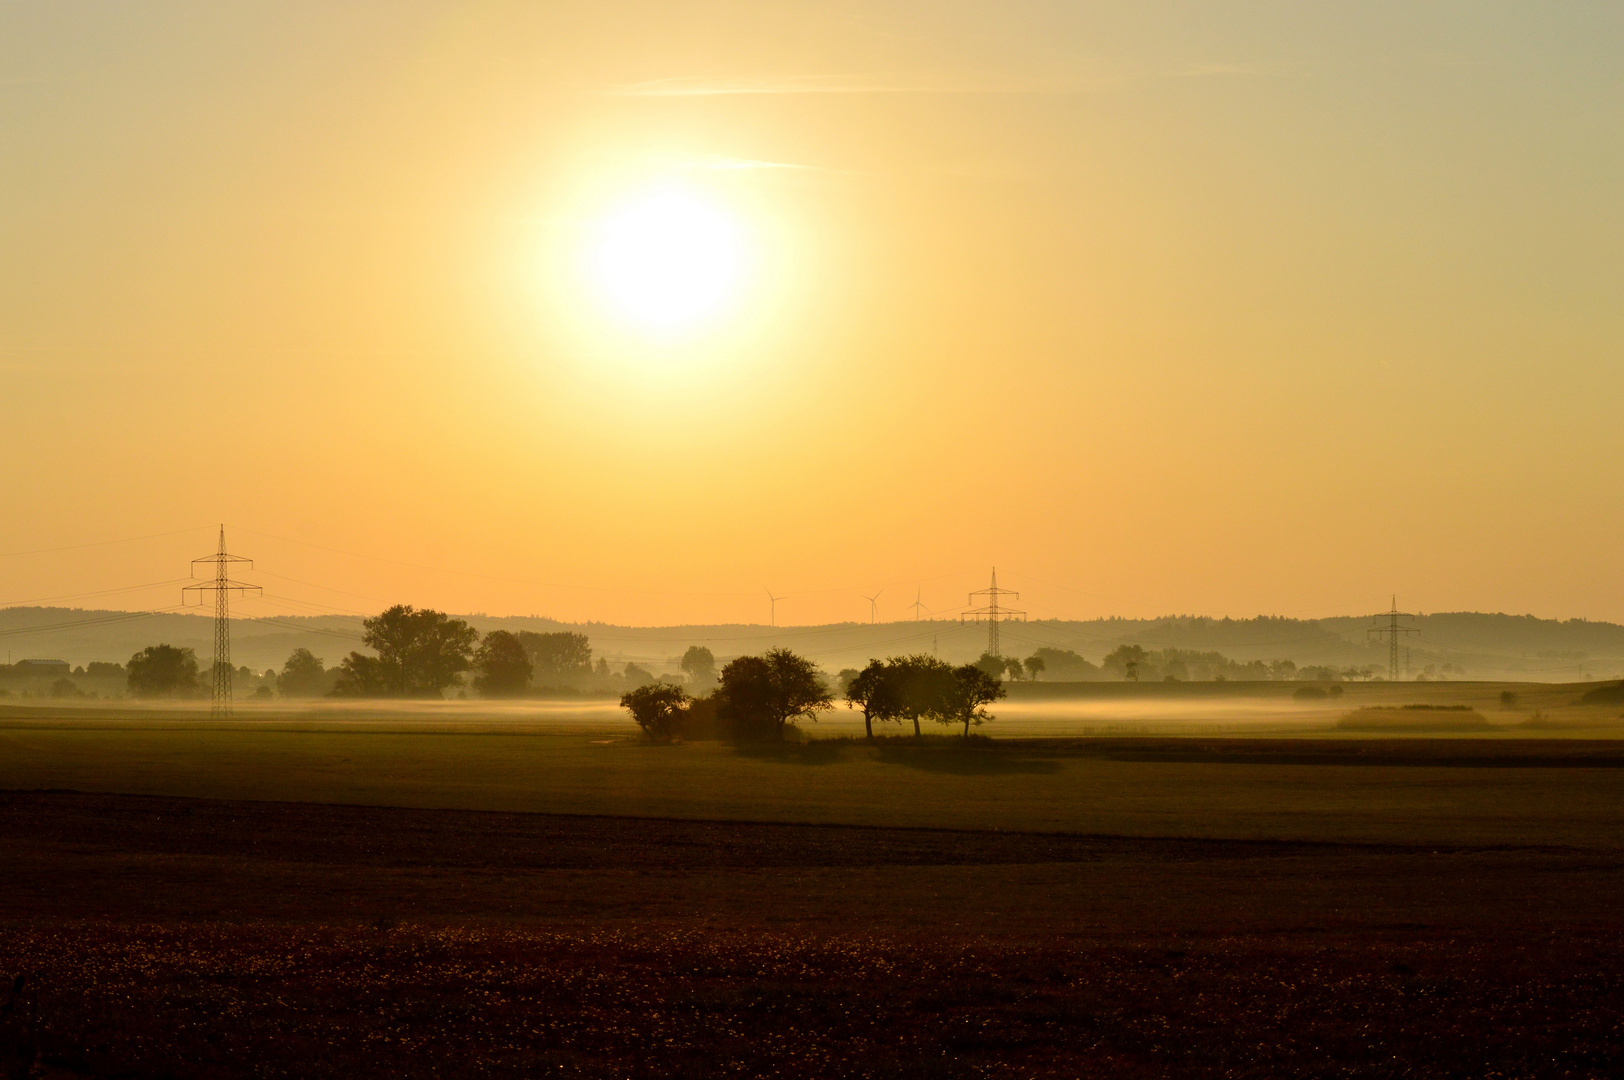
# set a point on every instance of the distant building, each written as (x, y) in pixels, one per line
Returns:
(56, 668)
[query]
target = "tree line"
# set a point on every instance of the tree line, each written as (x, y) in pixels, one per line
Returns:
(759, 697)
(419, 653)
(1135, 663)
(422, 653)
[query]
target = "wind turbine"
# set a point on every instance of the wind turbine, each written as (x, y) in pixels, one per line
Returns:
(772, 601)
(917, 605)
(873, 606)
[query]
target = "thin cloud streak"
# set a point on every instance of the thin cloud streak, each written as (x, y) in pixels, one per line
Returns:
(849, 84)
(923, 84)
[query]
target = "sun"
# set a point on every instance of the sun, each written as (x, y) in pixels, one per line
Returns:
(669, 262)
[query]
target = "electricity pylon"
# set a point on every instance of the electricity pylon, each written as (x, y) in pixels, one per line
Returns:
(222, 587)
(992, 611)
(1393, 629)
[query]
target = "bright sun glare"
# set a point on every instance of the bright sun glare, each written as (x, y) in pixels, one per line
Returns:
(669, 262)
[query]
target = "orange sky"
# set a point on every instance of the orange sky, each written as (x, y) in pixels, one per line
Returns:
(1182, 307)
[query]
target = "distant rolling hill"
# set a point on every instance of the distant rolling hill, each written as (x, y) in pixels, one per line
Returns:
(1474, 645)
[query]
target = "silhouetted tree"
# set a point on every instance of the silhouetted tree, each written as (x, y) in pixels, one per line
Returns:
(302, 675)
(1127, 659)
(162, 671)
(972, 690)
(658, 708)
(699, 664)
(992, 665)
(559, 659)
(360, 675)
(1034, 666)
(877, 691)
(1065, 665)
(759, 695)
(420, 653)
(502, 668)
(924, 684)
(1282, 669)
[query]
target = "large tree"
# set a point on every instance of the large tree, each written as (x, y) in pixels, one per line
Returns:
(302, 675)
(1129, 660)
(699, 664)
(992, 664)
(971, 691)
(924, 686)
(658, 708)
(760, 695)
(1063, 664)
(558, 659)
(360, 675)
(420, 653)
(876, 691)
(162, 671)
(502, 669)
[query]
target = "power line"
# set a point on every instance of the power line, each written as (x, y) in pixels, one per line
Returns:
(222, 587)
(99, 592)
(100, 543)
(103, 620)
(1393, 629)
(992, 612)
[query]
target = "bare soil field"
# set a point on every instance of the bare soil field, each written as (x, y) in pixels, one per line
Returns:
(194, 938)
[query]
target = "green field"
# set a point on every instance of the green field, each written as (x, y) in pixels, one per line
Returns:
(1291, 776)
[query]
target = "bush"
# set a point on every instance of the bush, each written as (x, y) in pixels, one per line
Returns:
(702, 720)
(657, 708)
(1309, 693)
(1604, 695)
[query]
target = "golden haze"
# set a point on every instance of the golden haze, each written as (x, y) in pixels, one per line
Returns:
(1163, 307)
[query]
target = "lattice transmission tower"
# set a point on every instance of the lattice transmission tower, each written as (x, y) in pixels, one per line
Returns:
(993, 611)
(1393, 630)
(222, 587)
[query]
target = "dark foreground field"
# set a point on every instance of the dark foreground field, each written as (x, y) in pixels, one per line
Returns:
(178, 937)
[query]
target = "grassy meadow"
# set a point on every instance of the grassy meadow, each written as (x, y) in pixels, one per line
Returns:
(1145, 762)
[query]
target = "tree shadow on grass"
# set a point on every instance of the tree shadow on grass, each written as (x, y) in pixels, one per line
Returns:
(963, 760)
(817, 752)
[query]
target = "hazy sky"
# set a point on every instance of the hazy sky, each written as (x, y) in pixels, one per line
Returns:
(1161, 307)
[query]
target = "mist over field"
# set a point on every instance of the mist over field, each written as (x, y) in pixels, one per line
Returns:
(857, 540)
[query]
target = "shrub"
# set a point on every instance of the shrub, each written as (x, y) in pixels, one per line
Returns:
(657, 708)
(1604, 695)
